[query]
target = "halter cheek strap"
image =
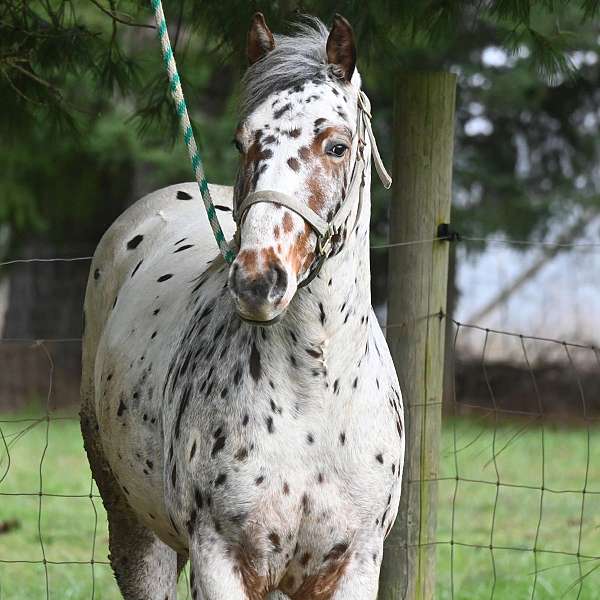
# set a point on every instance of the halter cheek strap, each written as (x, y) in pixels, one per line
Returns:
(324, 230)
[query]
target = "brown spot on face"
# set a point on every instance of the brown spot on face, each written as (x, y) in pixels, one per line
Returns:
(288, 223)
(304, 153)
(248, 260)
(300, 250)
(316, 199)
(254, 161)
(294, 133)
(269, 257)
(293, 163)
(276, 232)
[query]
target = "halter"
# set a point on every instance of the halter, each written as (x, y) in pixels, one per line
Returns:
(325, 230)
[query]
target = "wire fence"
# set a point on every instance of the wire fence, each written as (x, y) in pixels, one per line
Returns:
(511, 482)
(534, 489)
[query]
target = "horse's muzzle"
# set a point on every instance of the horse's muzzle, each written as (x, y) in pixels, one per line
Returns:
(259, 296)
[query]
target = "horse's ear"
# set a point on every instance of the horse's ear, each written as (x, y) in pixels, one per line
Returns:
(341, 51)
(260, 39)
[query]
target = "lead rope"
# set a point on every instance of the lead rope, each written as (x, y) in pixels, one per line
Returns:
(186, 127)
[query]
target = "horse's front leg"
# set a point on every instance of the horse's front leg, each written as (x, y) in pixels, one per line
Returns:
(145, 568)
(360, 580)
(219, 572)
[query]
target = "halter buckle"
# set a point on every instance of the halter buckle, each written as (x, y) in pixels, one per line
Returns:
(324, 241)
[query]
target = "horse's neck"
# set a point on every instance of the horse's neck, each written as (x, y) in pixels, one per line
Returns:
(341, 294)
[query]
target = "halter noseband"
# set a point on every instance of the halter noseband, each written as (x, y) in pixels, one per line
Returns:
(324, 230)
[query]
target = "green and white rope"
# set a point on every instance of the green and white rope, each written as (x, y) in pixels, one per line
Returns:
(188, 134)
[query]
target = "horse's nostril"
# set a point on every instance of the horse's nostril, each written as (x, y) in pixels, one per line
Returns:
(279, 285)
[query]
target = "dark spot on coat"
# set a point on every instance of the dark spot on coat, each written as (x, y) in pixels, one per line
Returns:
(275, 541)
(136, 268)
(184, 247)
(218, 446)
(255, 368)
(241, 454)
(270, 427)
(164, 277)
(336, 552)
(198, 498)
(134, 242)
(183, 195)
(220, 480)
(279, 112)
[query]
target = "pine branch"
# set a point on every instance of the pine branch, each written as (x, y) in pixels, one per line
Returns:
(115, 17)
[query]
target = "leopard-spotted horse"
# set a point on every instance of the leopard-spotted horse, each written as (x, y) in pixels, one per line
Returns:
(248, 418)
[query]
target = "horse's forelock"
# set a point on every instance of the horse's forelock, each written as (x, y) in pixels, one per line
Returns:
(294, 60)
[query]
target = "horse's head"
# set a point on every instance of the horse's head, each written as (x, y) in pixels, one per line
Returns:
(297, 144)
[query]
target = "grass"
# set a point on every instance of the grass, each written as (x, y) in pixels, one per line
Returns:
(73, 529)
(522, 519)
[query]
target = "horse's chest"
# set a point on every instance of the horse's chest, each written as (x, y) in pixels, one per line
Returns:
(277, 439)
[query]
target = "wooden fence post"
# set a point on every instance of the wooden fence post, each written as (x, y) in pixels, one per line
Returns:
(423, 151)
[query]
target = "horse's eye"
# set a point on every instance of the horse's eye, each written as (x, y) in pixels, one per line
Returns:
(338, 150)
(237, 145)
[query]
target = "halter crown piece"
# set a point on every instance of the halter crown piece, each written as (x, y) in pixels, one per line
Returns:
(324, 230)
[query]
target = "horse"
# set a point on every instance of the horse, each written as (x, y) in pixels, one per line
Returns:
(248, 418)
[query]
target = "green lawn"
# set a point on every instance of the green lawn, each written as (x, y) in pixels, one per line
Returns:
(70, 530)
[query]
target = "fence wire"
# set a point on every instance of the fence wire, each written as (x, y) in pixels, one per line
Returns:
(459, 478)
(500, 483)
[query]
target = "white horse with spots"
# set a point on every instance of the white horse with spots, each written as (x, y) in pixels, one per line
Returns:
(269, 456)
